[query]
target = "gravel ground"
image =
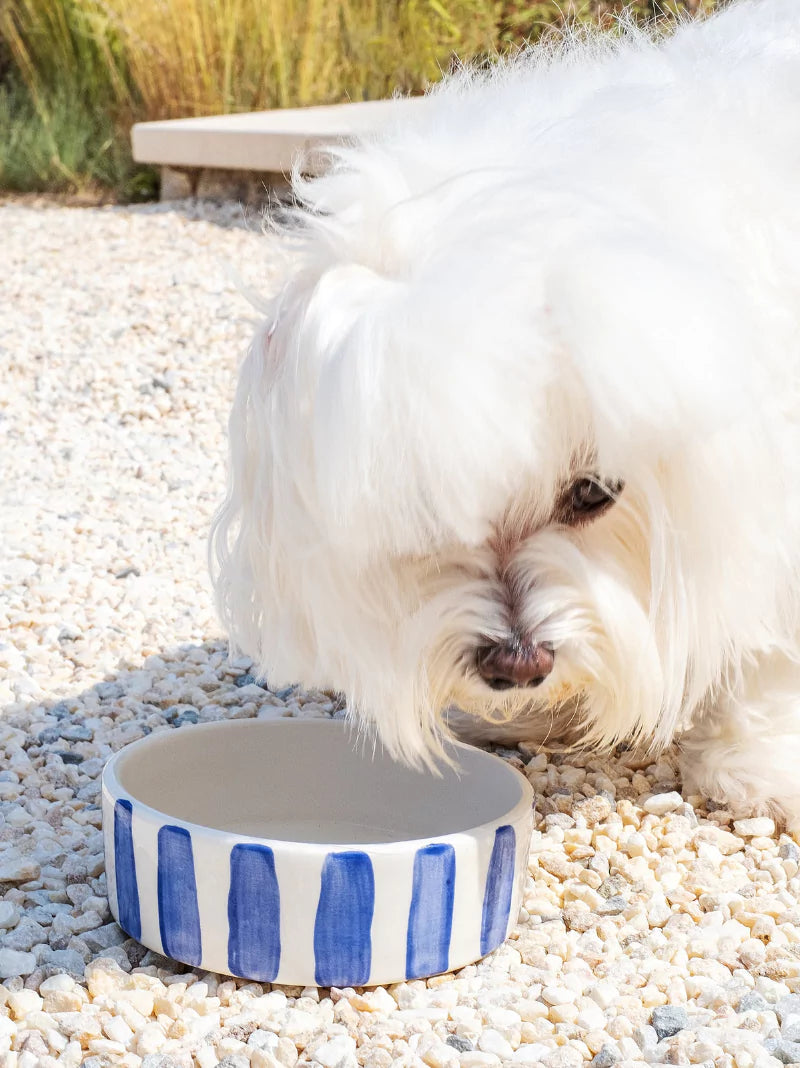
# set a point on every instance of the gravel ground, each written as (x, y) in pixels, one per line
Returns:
(654, 929)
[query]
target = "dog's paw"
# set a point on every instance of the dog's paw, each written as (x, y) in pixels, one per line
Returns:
(742, 778)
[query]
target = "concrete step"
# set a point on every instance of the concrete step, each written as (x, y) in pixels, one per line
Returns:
(261, 141)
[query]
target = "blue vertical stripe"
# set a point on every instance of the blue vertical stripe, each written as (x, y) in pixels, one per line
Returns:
(342, 939)
(430, 917)
(125, 871)
(178, 916)
(499, 888)
(254, 914)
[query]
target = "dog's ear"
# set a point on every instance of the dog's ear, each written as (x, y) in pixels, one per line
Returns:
(416, 436)
(662, 340)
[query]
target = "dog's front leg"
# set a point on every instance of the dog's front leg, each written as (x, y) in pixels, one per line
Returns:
(744, 749)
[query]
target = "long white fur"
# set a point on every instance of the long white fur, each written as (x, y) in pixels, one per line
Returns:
(585, 260)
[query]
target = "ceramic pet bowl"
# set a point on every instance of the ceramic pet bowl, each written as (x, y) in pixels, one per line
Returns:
(285, 851)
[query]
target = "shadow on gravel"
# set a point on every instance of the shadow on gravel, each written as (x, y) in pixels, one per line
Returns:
(54, 915)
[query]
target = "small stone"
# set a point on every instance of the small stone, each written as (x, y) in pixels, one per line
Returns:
(259, 1058)
(751, 1002)
(9, 915)
(789, 851)
(531, 1053)
(785, 1052)
(25, 936)
(668, 1020)
(605, 994)
(613, 906)
(790, 1028)
(755, 828)
(300, 1025)
(149, 1039)
(726, 843)
(593, 809)
(788, 1006)
(23, 1002)
(458, 1042)
(555, 864)
(158, 1060)
(104, 937)
(186, 717)
(491, 1041)
(338, 1052)
(564, 1057)
(591, 1018)
(244, 680)
(605, 1057)
(558, 819)
(109, 691)
(264, 1040)
(63, 1001)
(119, 954)
(57, 984)
(63, 960)
(15, 962)
(82, 1026)
(76, 732)
(661, 804)
(645, 1037)
(578, 917)
(17, 870)
(104, 976)
(118, 1031)
(68, 757)
(558, 995)
(612, 886)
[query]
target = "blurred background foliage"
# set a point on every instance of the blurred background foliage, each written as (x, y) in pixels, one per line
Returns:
(74, 74)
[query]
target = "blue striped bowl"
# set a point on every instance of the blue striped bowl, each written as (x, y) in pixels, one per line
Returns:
(280, 851)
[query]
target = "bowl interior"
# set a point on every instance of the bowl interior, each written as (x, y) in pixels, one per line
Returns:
(310, 781)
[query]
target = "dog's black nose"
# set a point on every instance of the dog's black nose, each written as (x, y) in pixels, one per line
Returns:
(515, 663)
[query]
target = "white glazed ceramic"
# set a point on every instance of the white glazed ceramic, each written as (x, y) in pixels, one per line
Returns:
(281, 851)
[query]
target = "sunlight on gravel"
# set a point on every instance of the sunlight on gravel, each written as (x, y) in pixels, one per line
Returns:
(655, 928)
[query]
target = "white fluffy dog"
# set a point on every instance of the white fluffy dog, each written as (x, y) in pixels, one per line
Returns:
(521, 433)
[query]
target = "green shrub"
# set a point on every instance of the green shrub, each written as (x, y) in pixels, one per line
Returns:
(59, 143)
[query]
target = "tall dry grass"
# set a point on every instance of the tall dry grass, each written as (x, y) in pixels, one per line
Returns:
(65, 46)
(195, 57)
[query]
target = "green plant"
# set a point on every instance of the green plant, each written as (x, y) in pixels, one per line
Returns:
(60, 144)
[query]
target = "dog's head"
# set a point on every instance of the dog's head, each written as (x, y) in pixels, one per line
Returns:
(473, 452)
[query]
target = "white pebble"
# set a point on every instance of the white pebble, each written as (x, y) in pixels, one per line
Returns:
(23, 1002)
(604, 994)
(492, 1041)
(756, 827)
(339, 1052)
(661, 804)
(16, 962)
(531, 1053)
(9, 915)
(558, 995)
(591, 1017)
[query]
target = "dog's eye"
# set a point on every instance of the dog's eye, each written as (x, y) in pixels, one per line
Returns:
(589, 497)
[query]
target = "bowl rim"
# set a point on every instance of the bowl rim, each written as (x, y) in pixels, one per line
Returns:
(111, 784)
